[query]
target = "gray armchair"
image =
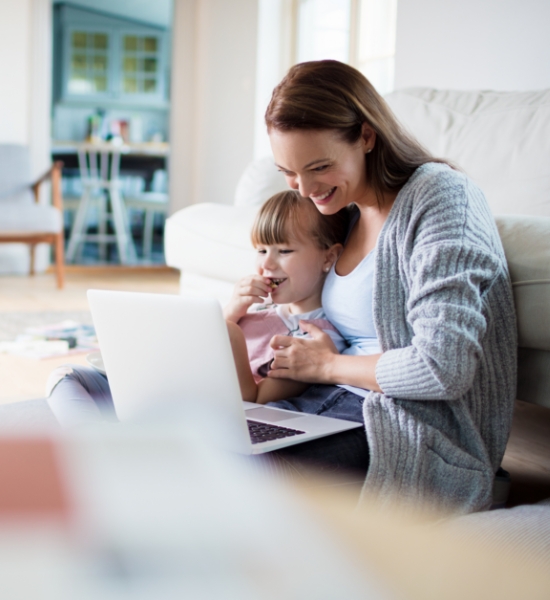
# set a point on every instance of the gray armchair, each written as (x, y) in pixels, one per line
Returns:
(22, 218)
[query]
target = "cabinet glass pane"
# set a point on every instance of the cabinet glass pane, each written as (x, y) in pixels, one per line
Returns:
(150, 65)
(150, 44)
(129, 85)
(149, 86)
(99, 63)
(130, 64)
(78, 62)
(130, 43)
(100, 41)
(79, 39)
(100, 84)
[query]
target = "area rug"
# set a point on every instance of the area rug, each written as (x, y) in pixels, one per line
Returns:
(13, 324)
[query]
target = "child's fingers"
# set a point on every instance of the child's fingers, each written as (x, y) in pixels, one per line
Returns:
(256, 288)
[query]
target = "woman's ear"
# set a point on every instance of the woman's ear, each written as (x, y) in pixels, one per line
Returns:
(331, 256)
(368, 137)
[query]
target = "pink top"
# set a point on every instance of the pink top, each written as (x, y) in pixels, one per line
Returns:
(260, 326)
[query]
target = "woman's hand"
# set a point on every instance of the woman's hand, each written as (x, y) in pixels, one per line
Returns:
(249, 290)
(316, 360)
(303, 359)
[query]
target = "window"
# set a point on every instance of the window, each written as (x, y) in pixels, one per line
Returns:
(375, 47)
(323, 30)
(359, 32)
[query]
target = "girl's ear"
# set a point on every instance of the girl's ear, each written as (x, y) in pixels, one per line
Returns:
(331, 256)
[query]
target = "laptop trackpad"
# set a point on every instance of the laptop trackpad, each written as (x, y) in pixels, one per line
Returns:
(271, 415)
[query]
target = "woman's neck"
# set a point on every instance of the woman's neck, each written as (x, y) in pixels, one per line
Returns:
(365, 232)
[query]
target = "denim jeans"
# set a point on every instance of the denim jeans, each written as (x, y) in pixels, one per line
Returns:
(345, 453)
(80, 395)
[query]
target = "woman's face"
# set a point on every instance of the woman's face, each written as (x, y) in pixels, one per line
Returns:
(321, 166)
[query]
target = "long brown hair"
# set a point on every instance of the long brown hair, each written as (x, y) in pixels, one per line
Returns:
(328, 94)
(288, 214)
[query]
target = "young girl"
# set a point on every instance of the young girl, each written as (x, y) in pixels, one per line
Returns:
(296, 246)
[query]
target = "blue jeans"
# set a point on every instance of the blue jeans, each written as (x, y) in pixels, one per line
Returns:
(345, 453)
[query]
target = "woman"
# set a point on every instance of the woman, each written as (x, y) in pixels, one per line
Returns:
(421, 291)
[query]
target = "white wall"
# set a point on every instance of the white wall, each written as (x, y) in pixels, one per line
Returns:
(25, 92)
(14, 71)
(473, 44)
(213, 98)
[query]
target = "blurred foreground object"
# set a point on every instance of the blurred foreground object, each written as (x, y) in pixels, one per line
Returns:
(136, 512)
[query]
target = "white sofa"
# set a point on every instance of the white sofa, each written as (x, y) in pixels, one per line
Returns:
(501, 139)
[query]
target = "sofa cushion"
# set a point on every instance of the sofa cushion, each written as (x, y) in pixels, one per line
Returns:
(526, 242)
(212, 240)
(260, 180)
(500, 139)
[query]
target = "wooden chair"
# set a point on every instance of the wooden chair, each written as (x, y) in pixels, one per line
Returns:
(23, 220)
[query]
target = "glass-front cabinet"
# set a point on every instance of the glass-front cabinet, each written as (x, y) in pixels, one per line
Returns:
(102, 58)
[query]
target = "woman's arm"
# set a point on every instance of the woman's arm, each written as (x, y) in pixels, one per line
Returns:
(316, 360)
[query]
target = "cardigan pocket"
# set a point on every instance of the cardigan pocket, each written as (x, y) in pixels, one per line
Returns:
(455, 480)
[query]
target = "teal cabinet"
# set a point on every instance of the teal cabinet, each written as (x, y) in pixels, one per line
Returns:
(100, 58)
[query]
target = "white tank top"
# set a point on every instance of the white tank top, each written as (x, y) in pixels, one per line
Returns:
(348, 303)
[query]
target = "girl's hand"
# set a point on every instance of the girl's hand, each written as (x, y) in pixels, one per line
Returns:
(303, 359)
(249, 290)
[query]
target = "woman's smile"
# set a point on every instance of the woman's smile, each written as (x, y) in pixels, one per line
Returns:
(323, 198)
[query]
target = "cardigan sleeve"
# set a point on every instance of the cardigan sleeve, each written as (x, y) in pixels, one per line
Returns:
(447, 271)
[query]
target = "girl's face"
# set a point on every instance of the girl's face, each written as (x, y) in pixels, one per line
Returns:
(297, 271)
(323, 167)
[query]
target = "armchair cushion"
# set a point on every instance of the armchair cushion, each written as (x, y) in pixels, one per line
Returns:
(16, 217)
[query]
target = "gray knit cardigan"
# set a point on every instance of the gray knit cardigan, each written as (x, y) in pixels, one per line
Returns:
(444, 314)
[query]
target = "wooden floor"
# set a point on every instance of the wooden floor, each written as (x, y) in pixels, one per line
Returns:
(25, 378)
(528, 452)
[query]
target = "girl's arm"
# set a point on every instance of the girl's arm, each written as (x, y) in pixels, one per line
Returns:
(267, 390)
(271, 390)
(249, 388)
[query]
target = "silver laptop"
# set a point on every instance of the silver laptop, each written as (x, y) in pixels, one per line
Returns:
(169, 354)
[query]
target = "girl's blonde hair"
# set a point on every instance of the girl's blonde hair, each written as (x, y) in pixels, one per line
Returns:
(328, 94)
(287, 215)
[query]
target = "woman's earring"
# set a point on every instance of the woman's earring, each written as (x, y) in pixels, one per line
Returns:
(369, 150)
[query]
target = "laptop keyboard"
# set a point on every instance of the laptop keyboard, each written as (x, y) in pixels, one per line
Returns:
(265, 432)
